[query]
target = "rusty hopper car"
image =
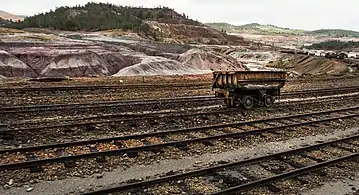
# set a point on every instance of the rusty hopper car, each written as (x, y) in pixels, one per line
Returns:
(248, 88)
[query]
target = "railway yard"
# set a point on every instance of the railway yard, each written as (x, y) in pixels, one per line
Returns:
(171, 135)
(105, 99)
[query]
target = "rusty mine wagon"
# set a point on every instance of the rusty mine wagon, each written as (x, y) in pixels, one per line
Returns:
(248, 88)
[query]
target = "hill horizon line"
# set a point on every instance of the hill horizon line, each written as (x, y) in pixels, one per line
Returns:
(269, 24)
(8, 15)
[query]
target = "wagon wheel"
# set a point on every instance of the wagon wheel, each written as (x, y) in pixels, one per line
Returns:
(268, 100)
(248, 102)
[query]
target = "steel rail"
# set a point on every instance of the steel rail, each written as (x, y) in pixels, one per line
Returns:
(140, 117)
(107, 102)
(9, 110)
(323, 90)
(287, 175)
(123, 117)
(127, 117)
(203, 171)
(99, 87)
(104, 104)
(34, 163)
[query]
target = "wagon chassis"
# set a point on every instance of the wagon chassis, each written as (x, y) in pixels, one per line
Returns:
(248, 88)
(247, 98)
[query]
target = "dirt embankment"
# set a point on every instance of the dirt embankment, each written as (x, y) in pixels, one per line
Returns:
(304, 64)
(79, 64)
(53, 60)
(193, 61)
(10, 66)
(209, 60)
(194, 34)
(83, 59)
(154, 65)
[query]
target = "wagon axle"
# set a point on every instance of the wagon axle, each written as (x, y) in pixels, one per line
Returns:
(248, 88)
(248, 102)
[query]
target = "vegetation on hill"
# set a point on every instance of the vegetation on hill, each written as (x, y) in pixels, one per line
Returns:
(160, 24)
(4, 22)
(255, 28)
(251, 25)
(334, 45)
(101, 16)
(335, 33)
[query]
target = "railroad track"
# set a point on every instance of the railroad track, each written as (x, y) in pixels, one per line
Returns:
(104, 109)
(131, 86)
(102, 104)
(54, 107)
(26, 126)
(318, 92)
(30, 157)
(246, 175)
(104, 87)
(52, 95)
(322, 79)
(30, 133)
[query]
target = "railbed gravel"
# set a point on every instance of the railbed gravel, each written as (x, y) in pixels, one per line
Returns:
(334, 173)
(68, 134)
(87, 167)
(29, 98)
(101, 110)
(138, 93)
(98, 117)
(270, 168)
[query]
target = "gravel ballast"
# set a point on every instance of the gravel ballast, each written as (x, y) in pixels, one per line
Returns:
(75, 185)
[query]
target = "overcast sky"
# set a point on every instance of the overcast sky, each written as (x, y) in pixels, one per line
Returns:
(301, 14)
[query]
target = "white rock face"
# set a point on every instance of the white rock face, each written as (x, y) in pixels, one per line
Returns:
(126, 56)
(77, 65)
(209, 60)
(10, 66)
(194, 61)
(256, 58)
(151, 65)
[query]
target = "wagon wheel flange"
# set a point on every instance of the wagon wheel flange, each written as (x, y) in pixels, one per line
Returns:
(247, 102)
(268, 100)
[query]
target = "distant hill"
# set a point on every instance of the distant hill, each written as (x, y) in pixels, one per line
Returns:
(8, 16)
(100, 16)
(335, 33)
(334, 45)
(160, 24)
(251, 25)
(255, 28)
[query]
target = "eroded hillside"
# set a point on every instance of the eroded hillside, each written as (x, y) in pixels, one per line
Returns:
(98, 55)
(305, 64)
(160, 24)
